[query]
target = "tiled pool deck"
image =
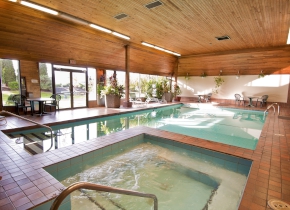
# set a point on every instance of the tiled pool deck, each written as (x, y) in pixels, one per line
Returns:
(26, 184)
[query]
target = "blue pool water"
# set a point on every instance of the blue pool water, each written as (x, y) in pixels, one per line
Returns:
(241, 128)
(181, 176)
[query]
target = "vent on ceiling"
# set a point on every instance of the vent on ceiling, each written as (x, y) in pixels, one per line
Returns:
(121, 16)
(153, 4)
(220, 38)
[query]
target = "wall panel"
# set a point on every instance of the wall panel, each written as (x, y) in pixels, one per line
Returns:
(29, 70)
(247, 62)
(31, 35)
(275, 86)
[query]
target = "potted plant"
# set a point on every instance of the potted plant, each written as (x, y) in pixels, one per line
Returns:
(203, 75)
(261, 75)
(218, 82)
(100, 99)
(177, 91)
(165, 86)
(112, 93)
(153, 89)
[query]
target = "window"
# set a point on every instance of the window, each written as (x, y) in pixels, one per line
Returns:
(120, 76)
(10, 80)
(138, 83)
(92, 84)
(45, 75)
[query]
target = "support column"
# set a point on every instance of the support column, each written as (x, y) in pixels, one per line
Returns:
(176, 69)
(127, 103)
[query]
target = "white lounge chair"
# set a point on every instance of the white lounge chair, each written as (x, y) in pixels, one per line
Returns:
(139, 103)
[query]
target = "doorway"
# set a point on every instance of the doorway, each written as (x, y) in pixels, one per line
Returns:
(71, 84)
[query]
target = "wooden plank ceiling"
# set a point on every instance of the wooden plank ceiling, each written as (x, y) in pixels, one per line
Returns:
(189, 27)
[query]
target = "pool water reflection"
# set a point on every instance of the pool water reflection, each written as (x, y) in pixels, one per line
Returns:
(240, 128)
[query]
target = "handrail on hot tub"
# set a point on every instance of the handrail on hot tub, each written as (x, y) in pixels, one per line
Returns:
(272, 105)
(93, 186)
(23, 118)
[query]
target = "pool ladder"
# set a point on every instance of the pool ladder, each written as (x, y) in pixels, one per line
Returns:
(93, 186)
(272, 105)
(23, 118)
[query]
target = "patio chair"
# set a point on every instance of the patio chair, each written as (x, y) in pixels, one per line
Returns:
(54, 103)
(132, 97)
(207, 97)
(239, 99)
(139, 103)
(21, 103)
(262, 100)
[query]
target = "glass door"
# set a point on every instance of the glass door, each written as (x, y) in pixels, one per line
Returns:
(71, 85)
(79, 89)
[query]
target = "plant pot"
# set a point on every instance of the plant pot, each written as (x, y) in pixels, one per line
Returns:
(168, 97)
(100, 101)
(112, 101)
(143, 99)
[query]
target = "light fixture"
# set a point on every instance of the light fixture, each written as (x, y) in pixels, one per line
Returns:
(238, 75)
(73, 19)
(288, 39)
(100, 28)
(41, 8)
(13, 0)
(147, 44)
(120, 35)
(160, 48)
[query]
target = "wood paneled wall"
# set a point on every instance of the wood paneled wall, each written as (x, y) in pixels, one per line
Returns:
(31, 35)
(247, 62)
(150, 62)
(30, 70)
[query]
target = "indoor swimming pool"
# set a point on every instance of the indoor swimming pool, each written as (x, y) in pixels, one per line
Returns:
(237, 127)
(181, 176)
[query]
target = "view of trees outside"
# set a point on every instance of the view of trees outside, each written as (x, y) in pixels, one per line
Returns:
(45, 77)
(138, 83)
(92, 86)
(120, 77)
(9, 80)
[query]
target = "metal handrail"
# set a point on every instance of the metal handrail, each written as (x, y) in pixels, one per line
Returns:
(93, 186)
(272, 105)
(23, 118)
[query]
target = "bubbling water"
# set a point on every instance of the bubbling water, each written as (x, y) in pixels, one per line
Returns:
(153, 169)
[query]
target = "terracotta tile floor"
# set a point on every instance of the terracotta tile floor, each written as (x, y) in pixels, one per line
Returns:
(25, 184)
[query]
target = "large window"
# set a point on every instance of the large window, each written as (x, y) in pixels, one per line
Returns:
(10, 80)
(120, 76)
(45, 75)
(92, 84)
(138, 83)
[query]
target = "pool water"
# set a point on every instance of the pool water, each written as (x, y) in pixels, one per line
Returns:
(179, 178)
(241, 128)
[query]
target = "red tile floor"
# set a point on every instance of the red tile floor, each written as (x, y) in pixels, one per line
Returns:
(25, 184)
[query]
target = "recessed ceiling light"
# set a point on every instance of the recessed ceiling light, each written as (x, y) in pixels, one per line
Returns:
(41, 8)
(120, 35)
(160, 48)
(147, 44)
(100, 28)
